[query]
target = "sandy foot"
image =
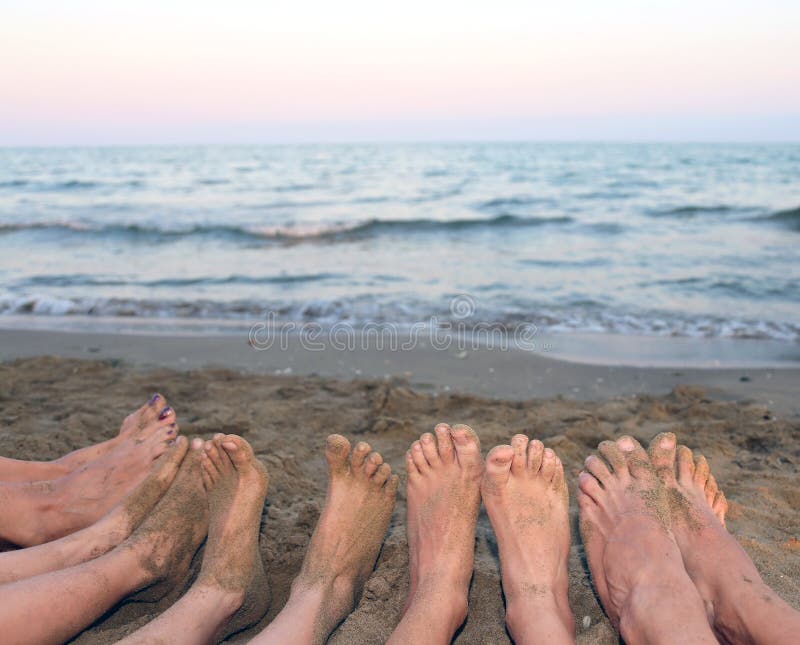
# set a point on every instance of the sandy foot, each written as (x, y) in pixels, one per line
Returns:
(163, 546)
(344, 547)
(738, 603)
(526, 498)
(635, 563)
(232, 570)
(443, 492)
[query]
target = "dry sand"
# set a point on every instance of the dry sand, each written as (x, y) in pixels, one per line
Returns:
(49, 406)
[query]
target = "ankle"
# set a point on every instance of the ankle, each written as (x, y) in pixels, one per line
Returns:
(448, 603)
(545, 603)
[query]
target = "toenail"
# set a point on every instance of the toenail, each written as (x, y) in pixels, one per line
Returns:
(417, 446)
(427, 438)
(154, 398)
(164, 413)
(666, 442)
(171, 431)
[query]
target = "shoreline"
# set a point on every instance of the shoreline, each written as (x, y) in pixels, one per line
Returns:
(510, 374)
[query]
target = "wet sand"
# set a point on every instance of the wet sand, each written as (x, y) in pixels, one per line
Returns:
(50, 405)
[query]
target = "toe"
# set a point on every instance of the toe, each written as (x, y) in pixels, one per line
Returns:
(685, 465)
(498, 467)
(208, 483)
(166, 413)
(429, 449)
(239, 451)
(391, 486)
(381, 475)
(519, 442)
(711, 490)
(598, 469)
(636, 457)
(701, 472)
(209, 470)
(411, 467)
(337, 448)
(662, 455)
(614, 458)
(212, 452)
(197, 444)
(720, 506)
(225, 458)
(419, 458)
(444, 443)
(468, 446)
(360, 453)
(589, 486)
(372, 463)
(548, 465)
(558, 476)
(535, 453)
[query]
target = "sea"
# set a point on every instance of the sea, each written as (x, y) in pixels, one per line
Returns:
(680, 240)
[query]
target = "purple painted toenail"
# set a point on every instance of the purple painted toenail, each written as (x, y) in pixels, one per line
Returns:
(171, 431)
(164, 413)
(153, 399)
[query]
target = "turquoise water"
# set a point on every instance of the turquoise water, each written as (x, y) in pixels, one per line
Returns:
(685, 240)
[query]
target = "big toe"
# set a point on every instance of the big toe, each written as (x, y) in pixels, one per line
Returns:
(468, 446)
(635, 456)
(662, 455)
(337, 449)
(498, 468)
(239, 451)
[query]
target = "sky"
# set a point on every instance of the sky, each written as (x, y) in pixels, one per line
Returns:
(174, 71)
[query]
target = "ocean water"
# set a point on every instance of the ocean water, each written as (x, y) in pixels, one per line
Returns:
(677, 240)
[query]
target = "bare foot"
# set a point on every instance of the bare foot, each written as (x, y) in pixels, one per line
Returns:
(343, 548)
(634, 560)
(443, 493)
(526, 498)
(236, 483)
(738, 603)
(16, 470)
(162, 547)
(102, 536)
(48, 510)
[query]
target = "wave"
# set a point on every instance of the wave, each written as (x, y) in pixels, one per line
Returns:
(83, 280)
(577, 316)
(789, 218)
(291, 233)
(692, 210)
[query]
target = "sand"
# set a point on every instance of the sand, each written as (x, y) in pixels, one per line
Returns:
(49, 406)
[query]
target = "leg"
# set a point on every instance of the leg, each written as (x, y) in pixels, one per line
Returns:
(232, 575)
(16, 470)
(443, 491)
(156, 554)
(102, 536)
(635, 562)
(32, 513)
(343, 548)
(526, 499)
(741, 607)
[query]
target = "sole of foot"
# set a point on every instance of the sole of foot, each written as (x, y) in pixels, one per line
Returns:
(443, 498)
(526, 499)
(236, 483)
(163, 545)
(633, 557)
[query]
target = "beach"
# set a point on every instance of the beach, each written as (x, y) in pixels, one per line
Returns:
(60, 391)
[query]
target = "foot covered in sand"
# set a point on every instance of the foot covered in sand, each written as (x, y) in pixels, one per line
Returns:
(232, 570)
(14, 470)
(443, 493)
(57, 508)
(738, 603)
(103, 535)
(161, 549)
(525, 496)
(343, 548)
(633, 557)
